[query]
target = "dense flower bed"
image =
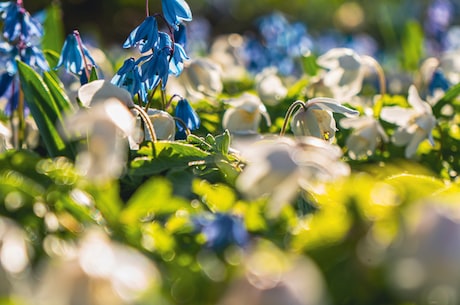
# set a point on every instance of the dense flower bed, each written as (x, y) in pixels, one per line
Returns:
(263, 169)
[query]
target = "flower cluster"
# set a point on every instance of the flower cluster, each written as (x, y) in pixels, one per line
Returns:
(161, 55)
(20, 40)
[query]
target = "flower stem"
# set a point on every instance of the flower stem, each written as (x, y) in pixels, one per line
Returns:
(380, 73)
(147, 8)
(171, 99)
(289, 113)
(80, 45)
(181, 122)
(147, 122)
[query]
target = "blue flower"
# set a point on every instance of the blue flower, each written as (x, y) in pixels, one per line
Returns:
(129, 78)
(176, 65)
(438, 81)
(188, 116)
(145, 35)
(34, 57)
(18, 25)
(222, 230)
(180, 36)
(9, 89)
(155, 69)
(72, 58)
(176, 11)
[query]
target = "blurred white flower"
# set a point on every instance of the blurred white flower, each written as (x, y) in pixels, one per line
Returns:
(243, 117)
(269, 86)
(201, 79)
(278, 167)
(5, 138)
(365, 137)
(99, 271)
(226, 52)
(450, 65)
(315, 118)
(346, 70)
(100, 90)
(415, 124)
(106, 126)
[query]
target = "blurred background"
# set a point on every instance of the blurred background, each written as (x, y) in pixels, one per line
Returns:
(110, 21)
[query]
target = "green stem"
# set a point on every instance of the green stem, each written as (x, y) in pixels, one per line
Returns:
(289, 113)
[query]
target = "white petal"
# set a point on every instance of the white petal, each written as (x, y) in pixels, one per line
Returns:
(416, 101)
(397, 115)
(100, 90)
(331, 105)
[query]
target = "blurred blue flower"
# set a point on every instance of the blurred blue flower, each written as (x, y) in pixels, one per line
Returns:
(189, 117)
(176, 11)
(18, 25)
(155, 68)
(438, 81)
(72, 57)
(222, 230)
(9, 90)
(145, 35)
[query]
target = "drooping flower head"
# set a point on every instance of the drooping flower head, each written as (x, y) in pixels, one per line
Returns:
(188, 116)
(128, 77)
(244, 115)
(75, 57)
(144, 35)
(279, 167)
(176, 11)
(18, 25)
(315, 117)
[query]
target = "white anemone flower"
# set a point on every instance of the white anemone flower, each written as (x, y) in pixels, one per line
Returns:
(315, 118)
(415, 124)
(226, 51)
(346, 70)
(100, 90)
(365, 137)
(164, 124)
(244, 115)
(281, 166)
(106, 126)
(201, 78)
(269, 87)
(450, 65)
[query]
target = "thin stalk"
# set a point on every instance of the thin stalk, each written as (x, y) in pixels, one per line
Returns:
(150, 98)
(171, 99)
(80, 45)
(181, 122)
(147, 7)
(380, 73)
(22, 124)
(163, 98)
(145, 118)
(289, 113)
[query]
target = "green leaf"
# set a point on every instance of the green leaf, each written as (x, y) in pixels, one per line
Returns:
(309, 65)
(223, 142)
(412, 45)
(60, 97)
(162, 156)
(450, 95)
(154, 197)
(53, 37)
(44, 110)
(218, 197)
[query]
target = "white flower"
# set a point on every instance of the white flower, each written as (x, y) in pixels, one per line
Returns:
(243, 117)
(450, 65)
(270, 87)
(366, 135)
(415, 124)
(164, 124)
(346, 70)
(100, 90)
(226, 52)
(315, 118)
(280, 166)
(201, 79)
(5, 138)
(106, 126)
